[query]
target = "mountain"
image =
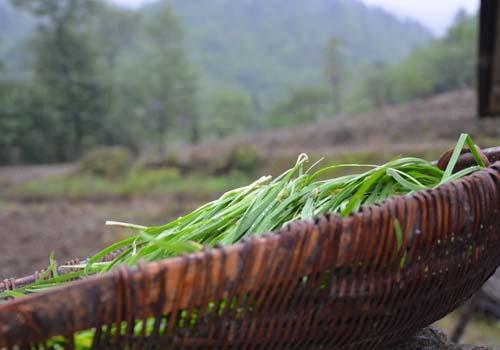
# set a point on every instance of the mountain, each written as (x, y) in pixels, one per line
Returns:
(263, 47)
(266, 46)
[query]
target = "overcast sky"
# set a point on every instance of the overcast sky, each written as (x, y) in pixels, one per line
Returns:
(435, 14)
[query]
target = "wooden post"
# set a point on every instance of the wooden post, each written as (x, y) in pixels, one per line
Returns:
(489, 59)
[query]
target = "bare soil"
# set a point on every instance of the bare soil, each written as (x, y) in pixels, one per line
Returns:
(29, 231)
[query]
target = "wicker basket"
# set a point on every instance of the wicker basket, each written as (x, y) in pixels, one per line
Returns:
(331, 283)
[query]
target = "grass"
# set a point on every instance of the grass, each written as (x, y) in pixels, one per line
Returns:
(138, 182)
(168, 180)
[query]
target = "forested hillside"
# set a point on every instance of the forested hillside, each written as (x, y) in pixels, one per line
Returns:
(78, 74)
(266, 46)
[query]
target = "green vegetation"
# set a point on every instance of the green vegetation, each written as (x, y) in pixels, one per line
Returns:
(78, 92)
(80, 74)
(243, 159)
(191, 176)
(96, 74)
(229, 112)
(265, 47)
(108, 162)
(137, 182)
(263, 206)
(336, 71)
(65, 75)
(164, 83)
(306, 104)
(444, 64)
(267, 205)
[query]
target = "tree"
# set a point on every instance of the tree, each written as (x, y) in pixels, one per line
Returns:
(9, 125)
(306, 104)
(377, 84)
(24, 127)
(442, 65)
(189, 114)
(230, 112)
(2, 67)
(66, 73)
(454, 57)
(114, 30)
(336, 70)
(167, 81)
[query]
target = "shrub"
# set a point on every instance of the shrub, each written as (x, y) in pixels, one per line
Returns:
(108, 162)
(242, 158)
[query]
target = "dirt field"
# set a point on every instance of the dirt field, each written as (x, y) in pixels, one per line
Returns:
(29, 231)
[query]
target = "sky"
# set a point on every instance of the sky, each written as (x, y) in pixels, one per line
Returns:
(435, 14)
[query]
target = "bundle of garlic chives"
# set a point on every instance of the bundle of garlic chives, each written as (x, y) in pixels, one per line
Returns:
(266, 205)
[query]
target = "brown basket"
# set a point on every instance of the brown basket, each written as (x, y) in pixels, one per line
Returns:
(331, 283)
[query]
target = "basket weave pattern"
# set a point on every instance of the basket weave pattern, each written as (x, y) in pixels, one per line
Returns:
(331, 283)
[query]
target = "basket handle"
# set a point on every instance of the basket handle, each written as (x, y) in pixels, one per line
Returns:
(488, 156)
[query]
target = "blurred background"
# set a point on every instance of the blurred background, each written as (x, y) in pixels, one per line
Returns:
(139, 110)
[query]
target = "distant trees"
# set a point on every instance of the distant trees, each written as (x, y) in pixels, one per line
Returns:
(455, 57)
(26, 130)
(163, 82)
(229, 112)
(8, 124)
(66, 74)
(114, 30)
(377, 85)
(167, 75)
(336, 70)
(1, 62)
(100, 75)
(95, 74)
(306, 104)
(312, 103)
(442, 65)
